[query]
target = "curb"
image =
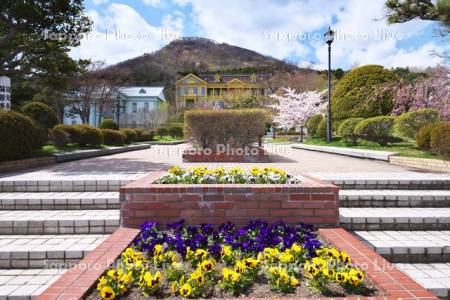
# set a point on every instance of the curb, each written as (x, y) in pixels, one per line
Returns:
(358, 153)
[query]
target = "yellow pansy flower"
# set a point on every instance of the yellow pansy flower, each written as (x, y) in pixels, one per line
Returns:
(107, 293)
(185, 290)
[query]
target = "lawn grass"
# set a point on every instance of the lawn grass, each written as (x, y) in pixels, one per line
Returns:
(406, 148)
(166, 138)
(50, 149)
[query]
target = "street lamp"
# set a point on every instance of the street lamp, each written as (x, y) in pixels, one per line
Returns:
(329, 37)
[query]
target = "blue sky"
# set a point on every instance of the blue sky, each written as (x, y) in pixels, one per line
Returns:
(285, 29)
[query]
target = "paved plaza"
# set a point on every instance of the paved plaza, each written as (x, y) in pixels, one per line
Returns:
(51, 217)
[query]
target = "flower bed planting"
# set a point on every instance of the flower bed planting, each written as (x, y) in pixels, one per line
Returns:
(256, 260)
(236, 175)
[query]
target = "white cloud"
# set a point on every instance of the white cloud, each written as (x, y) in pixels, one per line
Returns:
(97, 2)
(152, 2)
(121, 33)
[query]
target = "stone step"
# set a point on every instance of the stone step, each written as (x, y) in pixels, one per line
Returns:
(50, 251)
(395, 218)
(58, 221)
(409, 246)
(386, 180)
(42, 181)
(394, 198)
(61, 200)
(433, 277)
(26, 283)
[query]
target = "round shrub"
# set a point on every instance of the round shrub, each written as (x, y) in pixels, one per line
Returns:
(354, 95)
(109, 124)
(41, 113)
(408, 124)
(144, 135)
(91, 136)
(73, 131)
(113, 137)
(161, 131)
(58, 137)
(347, 130)
(440, 140)
(423, 136)
(312, 125)
(19, 136)
(378, 129)
(175, 130)
(321, 131)
(130, 134)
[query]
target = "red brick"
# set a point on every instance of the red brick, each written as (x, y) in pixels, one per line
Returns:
(297, 197)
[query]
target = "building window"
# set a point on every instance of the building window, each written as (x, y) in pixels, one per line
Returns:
(2, 97)
(262, 92)
(190, 103)
(203, 91)
(210, 92)
(217, 92)
(185, 90)
(195, 90)
(146, 107)
(134, 124)
(2, 88)
(178, 92)
(134, 107)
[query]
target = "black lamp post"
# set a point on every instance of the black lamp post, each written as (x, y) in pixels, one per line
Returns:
(329, 37)
(118, 109)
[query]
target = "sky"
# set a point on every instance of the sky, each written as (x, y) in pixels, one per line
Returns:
(291, 30)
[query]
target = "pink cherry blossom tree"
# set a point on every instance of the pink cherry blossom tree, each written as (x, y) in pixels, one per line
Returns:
(432, 92)
(293, 110)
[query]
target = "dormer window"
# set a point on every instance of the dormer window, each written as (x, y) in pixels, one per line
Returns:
(142, 91)
(217, 77)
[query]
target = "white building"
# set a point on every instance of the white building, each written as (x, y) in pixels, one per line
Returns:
(133, 103)
(5, 93)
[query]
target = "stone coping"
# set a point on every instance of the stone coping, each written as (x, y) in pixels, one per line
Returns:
(77, 282)
(359, 153)
(435, 165)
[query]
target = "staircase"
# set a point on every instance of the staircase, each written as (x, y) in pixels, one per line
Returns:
(49, 224)
(406, 221)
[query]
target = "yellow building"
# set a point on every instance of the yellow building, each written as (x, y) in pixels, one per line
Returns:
(212, 89)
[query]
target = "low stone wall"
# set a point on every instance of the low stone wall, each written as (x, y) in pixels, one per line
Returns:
(234, 155)
(421, 163)
(311, 201)
(359, 153)
(21, 164)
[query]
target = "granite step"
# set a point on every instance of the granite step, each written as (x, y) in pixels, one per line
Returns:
(49, 251)
(409, 246)
(356, 218)
(26, 283)
(394, 198)
(61, 200)
(58, 221)
(434, 277)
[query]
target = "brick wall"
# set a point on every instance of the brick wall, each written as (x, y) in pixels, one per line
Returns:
(253, 155)
(421, 163)
(311, 201)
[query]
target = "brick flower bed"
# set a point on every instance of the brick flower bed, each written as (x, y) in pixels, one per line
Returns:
(81, 281)
(311, 201)
(255, 154)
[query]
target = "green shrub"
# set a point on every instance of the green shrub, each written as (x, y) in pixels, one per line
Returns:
(175, 130)
(354, 95)
(144, 135)
(313, 124)
(58, 137)
(321, 131)
(378, 129)
(161, 131)
(346, 130)
(130, 134)
(41, 113)
(440, 140)
(109, 124)
(238, 128)
(20, 136)
(113, 137)
(90, 136)
(423, 137)
(408, 124)
(73, 131)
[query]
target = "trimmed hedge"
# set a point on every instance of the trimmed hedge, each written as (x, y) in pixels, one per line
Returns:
(440, 140)
(162, 131)
(58, 137)
(109, 124)
(347, 130)
(237, 128)
(378, 129)
(113, 137)
(144, 135)
(353, 96)
(423, 137)
(408, 124)
(321, 131)
(20, 136)
(73, 131)
(313, 124)
(130, 134)
(41, 113)
(90, 136)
